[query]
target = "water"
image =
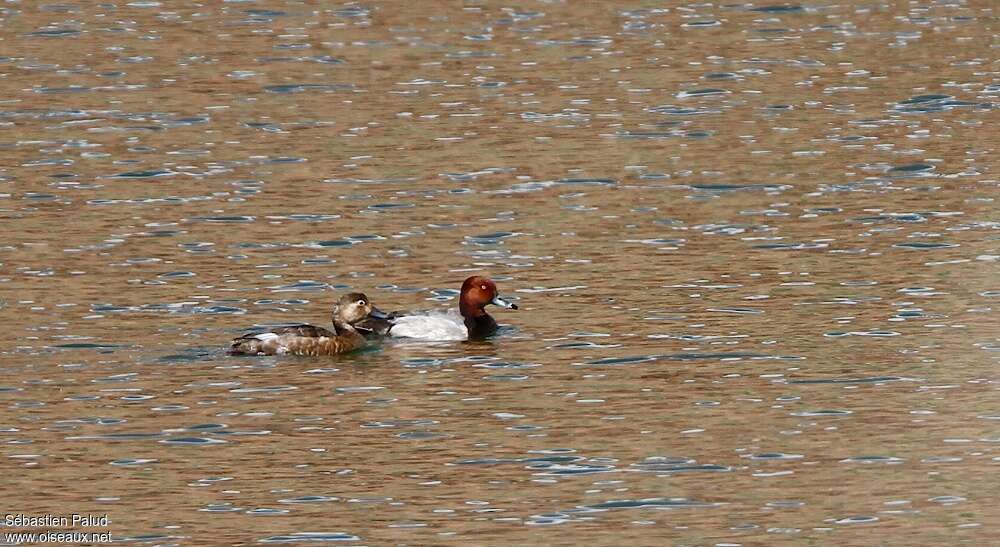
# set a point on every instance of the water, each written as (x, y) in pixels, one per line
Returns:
(754, 248)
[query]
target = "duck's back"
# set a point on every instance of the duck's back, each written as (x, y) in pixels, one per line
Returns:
(430, 326)
(297, 340)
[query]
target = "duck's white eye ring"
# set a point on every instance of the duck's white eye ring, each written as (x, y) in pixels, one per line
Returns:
(361, 302)
(483, 287)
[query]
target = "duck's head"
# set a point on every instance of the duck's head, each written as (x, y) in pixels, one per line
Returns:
(355, 307)
(478, 291)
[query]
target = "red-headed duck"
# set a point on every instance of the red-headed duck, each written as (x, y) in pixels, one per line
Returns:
(311, 340)
(473, 323)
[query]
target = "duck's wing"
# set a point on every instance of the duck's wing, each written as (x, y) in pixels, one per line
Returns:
(430, 326)
(307, 331)
(277, 341)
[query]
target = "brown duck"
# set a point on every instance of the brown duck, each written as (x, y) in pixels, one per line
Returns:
(312, 340)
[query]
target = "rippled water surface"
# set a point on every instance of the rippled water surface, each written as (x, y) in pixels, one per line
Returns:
(755, 248)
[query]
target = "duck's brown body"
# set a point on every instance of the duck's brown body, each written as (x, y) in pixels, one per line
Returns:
(298, 340)
(309, 339)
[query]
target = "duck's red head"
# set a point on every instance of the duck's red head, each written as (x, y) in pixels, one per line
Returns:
(477, 292)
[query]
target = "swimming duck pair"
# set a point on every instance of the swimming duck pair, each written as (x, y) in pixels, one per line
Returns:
(354, 316)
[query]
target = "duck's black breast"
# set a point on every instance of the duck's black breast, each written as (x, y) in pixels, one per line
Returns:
(480, 326)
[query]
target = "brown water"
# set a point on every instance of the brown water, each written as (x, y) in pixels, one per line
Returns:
(755, 248)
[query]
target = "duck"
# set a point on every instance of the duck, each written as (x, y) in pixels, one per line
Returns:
(472, 322)
(312, 340)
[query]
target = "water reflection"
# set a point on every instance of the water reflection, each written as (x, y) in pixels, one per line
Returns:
(753, 243)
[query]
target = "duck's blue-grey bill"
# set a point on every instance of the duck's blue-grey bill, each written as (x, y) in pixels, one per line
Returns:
(499, 301)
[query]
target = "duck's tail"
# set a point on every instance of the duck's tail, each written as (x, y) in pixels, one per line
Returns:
(250, 344)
